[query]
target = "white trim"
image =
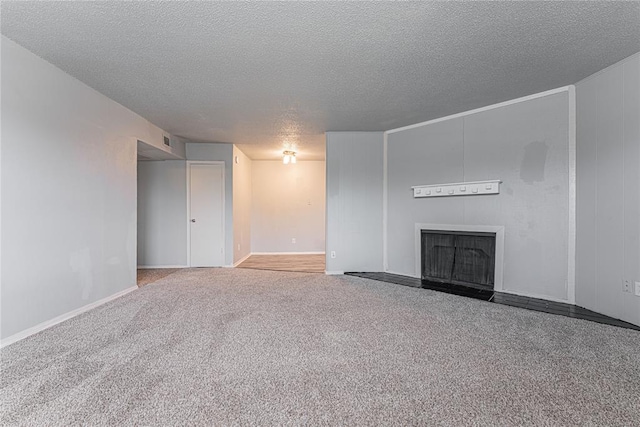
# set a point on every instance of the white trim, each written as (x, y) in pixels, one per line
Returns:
(327, 239)
(49, 323)
(149, 267)
(479, 110)
(385, 201)
(224, 207)
(287, 253)
(498, 284)
(571, 247)
(241, 260)
(334, 273)
(188, 180)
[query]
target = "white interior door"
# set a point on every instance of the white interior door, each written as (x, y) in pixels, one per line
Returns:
(206, 209)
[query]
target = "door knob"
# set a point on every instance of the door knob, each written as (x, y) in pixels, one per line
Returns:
(193, 220)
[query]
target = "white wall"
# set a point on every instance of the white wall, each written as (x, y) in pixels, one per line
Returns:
(68, 192)
(219, 152)
(241, 205)
(288, 201)
(608, 185)
(162, 213)
(524, 144)
(354, 201)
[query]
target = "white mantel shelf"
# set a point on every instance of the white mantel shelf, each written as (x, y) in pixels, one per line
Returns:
(473, 188)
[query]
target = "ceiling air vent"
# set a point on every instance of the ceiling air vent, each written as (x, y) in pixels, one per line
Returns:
(166, 141)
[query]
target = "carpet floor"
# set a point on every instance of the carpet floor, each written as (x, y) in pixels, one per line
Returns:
(249, 347)
(150, 275)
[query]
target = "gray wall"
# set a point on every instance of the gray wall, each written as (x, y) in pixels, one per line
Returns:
(526, 145)
(354, 162)
(220, 152)
(68, 192)
(608, 190)
(162, 213)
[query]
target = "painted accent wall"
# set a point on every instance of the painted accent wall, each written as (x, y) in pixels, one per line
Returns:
(354, 201)
(241, 205)
(219, 152)
(68, 176)
(524, 144)
(162, 213)
(287, 202)
(608, 190)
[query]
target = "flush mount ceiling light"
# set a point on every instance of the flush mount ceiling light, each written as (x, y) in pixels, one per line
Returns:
(288, 157)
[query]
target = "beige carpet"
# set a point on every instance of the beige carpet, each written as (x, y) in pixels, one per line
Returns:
(250, 347)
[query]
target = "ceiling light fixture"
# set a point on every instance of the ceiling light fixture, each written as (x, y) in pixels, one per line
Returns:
(289, 157)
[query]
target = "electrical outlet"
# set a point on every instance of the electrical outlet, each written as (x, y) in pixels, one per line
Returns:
(333, 254)
(626, 285)
(293, 240)
(638, 289)
(238, 246)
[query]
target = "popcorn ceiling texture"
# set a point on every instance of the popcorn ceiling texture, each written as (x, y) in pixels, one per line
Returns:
(273, 75)
(248, 347)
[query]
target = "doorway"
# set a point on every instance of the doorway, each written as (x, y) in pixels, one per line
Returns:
(205, 211)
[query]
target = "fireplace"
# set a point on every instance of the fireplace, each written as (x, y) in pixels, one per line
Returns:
(460, 255)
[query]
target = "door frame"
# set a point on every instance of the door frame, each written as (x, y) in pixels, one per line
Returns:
(224, 220)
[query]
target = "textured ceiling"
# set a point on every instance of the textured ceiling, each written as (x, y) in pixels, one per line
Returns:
(268, 75)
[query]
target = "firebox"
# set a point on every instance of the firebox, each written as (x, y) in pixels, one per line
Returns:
(459, 257)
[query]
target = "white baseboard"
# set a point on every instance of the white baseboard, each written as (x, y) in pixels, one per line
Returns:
(334, 273)
(149, 267)
(49, 323)
(287, 253)
(240, 261)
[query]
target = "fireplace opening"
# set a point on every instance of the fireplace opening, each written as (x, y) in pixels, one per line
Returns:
(456, 257)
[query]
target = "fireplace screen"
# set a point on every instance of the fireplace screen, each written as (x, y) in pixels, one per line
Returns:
(459, 257)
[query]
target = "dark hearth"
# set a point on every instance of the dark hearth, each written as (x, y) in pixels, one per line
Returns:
(459, 257)
(545, 306)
